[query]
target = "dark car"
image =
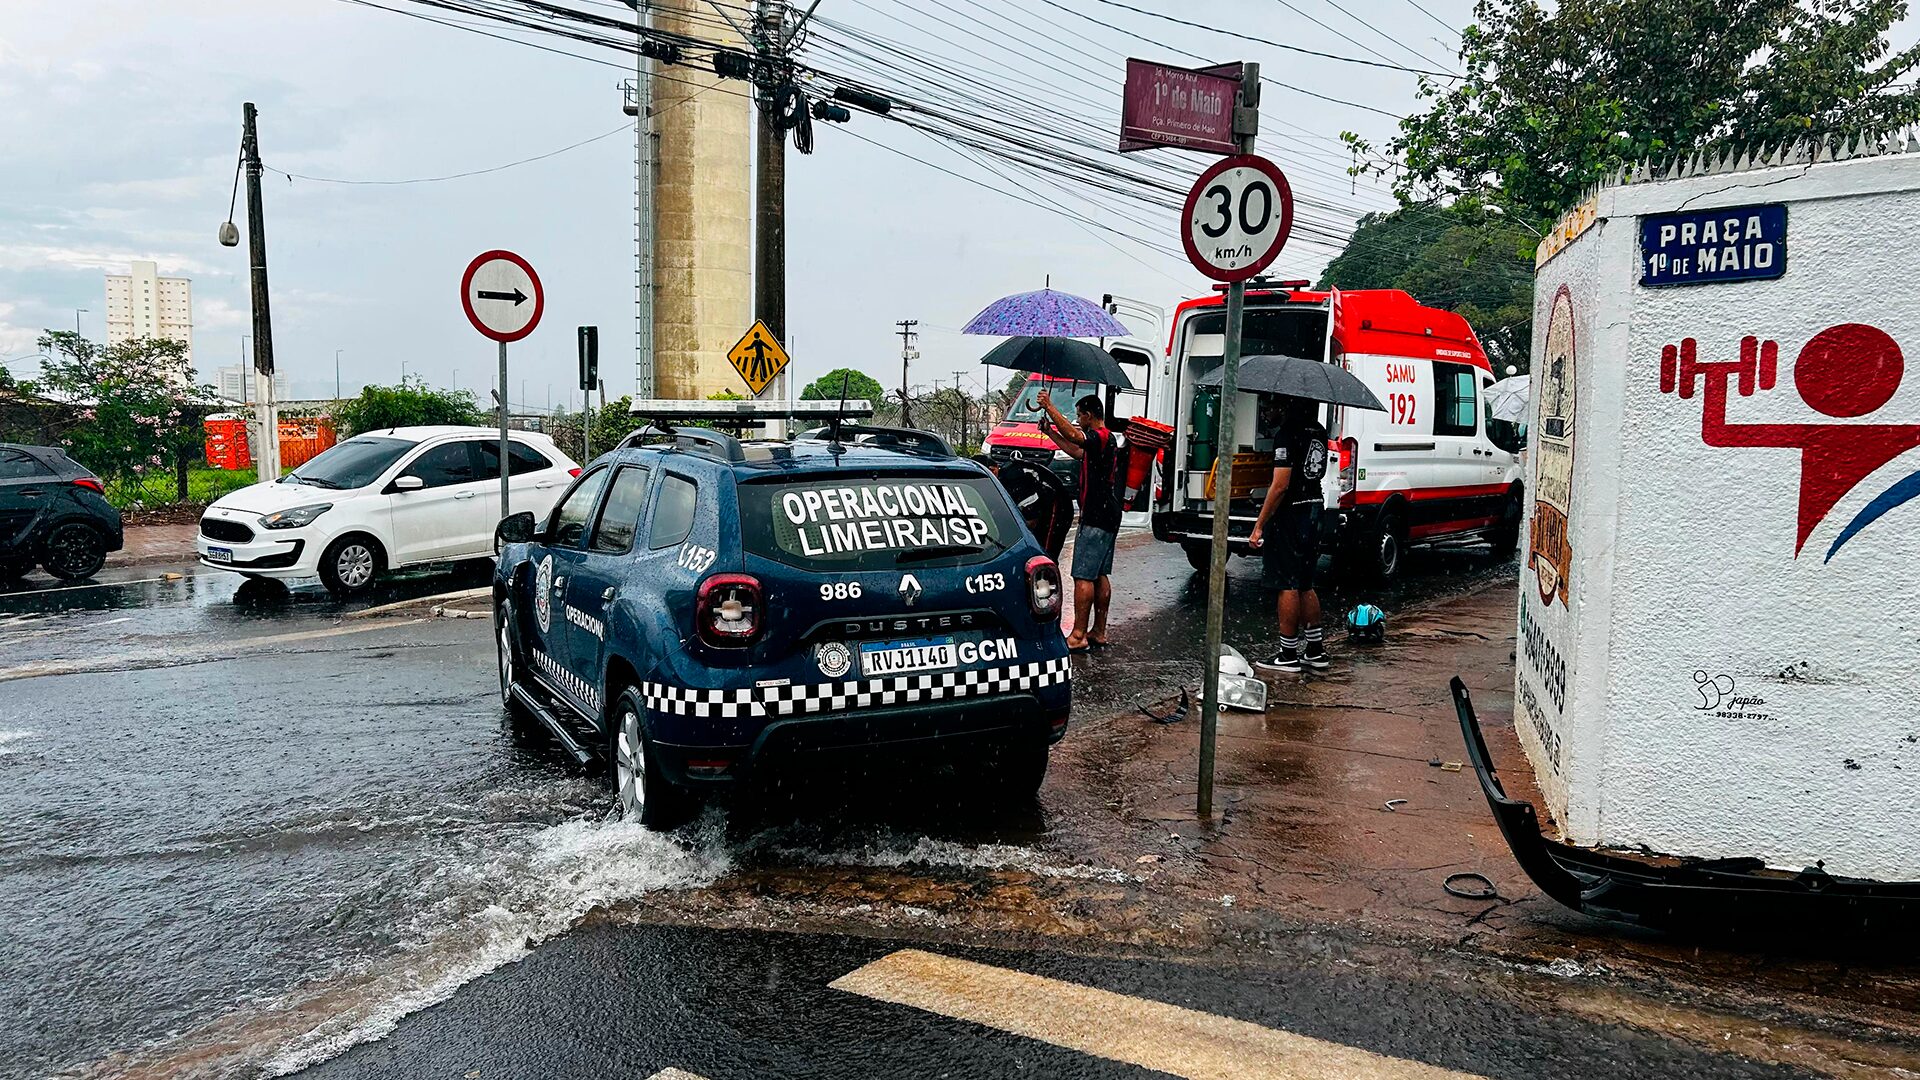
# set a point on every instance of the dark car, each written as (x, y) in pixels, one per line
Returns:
(699, 611)
(52, 512)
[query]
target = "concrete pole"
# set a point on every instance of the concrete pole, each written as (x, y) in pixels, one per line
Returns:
(269, 462)
(1225, 443)
(770, 193)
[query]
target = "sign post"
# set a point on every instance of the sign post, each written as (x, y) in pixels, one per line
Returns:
(502, 298)
(1236, 220)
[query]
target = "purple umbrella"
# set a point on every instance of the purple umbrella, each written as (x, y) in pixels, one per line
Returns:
(1045, 314)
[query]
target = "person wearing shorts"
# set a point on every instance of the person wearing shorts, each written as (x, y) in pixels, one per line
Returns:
(1288, 531)
(1093, 444)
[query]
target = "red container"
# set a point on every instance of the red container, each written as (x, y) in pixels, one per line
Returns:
(1145, 440)
(227, 443)
(303, 440)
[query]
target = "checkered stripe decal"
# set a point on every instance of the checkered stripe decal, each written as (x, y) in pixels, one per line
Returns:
(566, 680)
(856, 693)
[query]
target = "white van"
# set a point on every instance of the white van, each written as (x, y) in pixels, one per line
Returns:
(1431, 469)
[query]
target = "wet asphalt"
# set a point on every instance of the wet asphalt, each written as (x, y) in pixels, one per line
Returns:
(249, 827)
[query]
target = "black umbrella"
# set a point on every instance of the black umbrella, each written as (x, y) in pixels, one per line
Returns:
(1294, 376)
(1062, 358)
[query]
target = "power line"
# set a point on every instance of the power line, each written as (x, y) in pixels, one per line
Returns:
(1444, 24)
(1277, 44)
(623, 128)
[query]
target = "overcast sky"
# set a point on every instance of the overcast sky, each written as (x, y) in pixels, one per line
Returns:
(121, 119)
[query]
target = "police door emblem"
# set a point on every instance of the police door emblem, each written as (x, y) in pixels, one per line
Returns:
(543, 594)
(909, 590)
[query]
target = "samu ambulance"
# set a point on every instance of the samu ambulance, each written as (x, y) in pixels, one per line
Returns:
(1432, 469)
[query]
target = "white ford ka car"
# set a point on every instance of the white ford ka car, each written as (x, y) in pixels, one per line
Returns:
(380, 501)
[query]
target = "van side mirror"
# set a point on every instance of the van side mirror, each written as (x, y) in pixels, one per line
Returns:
(514, 529)
(409, 483)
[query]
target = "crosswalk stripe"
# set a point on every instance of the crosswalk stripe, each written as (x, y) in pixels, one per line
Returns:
(1151, 1034)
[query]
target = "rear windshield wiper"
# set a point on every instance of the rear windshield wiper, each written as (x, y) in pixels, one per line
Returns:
(944, 550)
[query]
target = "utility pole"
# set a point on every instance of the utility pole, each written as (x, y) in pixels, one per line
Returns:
(907, 352)
(336, 375)
(770, 179)
(961, 393)
(262, 318)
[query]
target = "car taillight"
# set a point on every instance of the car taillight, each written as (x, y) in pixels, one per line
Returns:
(1349, 465)
(728, 609)
(573, 472)
(90, 484)
(1043, 587)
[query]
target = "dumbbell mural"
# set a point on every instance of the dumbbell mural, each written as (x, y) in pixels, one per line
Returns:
(1845, 371)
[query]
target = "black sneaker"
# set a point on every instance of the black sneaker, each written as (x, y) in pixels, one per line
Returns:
(1286, 660)
(1316, 658)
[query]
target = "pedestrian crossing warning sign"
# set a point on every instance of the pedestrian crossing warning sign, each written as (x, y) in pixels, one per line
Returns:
(758, 357)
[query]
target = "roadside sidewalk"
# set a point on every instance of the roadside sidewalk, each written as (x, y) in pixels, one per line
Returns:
(1312, 832)
(156, 544)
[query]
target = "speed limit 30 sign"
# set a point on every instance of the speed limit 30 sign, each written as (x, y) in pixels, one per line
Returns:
(1237, 217)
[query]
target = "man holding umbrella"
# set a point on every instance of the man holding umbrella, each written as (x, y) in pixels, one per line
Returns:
(1288, 529)
(1091, 443)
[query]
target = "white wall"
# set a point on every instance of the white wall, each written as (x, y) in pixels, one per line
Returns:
(1728, 695)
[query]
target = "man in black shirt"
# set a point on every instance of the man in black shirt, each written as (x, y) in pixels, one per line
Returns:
(1288, 530)
(1090, 442)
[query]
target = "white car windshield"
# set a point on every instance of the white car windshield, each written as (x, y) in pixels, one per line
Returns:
(352, 464)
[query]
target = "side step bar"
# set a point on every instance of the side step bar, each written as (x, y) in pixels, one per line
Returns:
(561, 733)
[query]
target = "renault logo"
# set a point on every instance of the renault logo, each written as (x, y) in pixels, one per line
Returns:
(909, 590)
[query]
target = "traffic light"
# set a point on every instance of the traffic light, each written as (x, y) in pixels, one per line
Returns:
(589, 357)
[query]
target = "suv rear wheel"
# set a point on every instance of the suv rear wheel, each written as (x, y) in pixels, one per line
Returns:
(73, 550)
(645, 794)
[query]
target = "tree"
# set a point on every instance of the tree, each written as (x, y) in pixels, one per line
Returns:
(405, 405)
(1552, 100)
(136, 405)
(860, 386)
(1457, 258)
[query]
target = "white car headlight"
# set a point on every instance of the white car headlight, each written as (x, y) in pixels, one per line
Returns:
(294, 517)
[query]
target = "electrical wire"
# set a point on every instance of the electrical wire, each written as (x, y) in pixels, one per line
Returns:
(627, 128)
(1270, 43)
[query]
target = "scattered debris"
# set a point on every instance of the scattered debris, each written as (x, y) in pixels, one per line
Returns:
(1451, 766)
(1179, 713)
(1227, 900)
(1434, 761)
(1395, 804)
(1487, 892)
(1144, 859)
(1851, 764)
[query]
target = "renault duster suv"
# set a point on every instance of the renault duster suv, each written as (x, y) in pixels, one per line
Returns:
(700, 610)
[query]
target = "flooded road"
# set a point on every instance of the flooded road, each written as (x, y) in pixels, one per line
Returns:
(241, 818)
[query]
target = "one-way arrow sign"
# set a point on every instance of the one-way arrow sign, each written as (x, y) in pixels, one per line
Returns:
(494, 292)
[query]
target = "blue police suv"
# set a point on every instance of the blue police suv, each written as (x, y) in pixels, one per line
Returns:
(697, 610)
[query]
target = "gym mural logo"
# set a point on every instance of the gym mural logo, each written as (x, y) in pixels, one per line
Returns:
(1845, 371)
(1548, 551)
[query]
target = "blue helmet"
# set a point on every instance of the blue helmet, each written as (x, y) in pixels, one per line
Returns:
(1367, 621)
